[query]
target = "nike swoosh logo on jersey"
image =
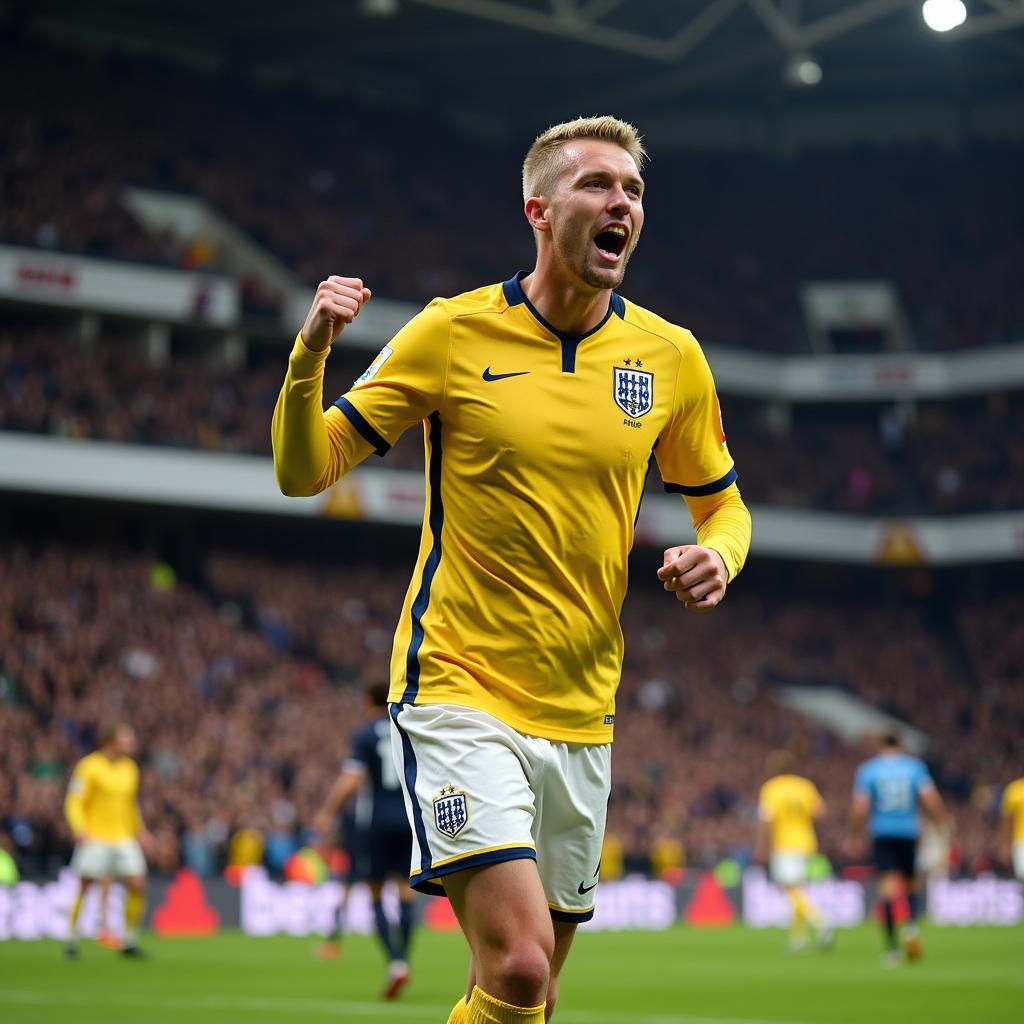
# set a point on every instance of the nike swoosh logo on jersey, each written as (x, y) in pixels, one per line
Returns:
(583, 891)
(488, 376)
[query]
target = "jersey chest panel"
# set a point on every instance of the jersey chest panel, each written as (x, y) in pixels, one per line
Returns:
(516, 408)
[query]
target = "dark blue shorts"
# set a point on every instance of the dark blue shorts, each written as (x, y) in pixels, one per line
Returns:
(384, 851)
(895, 853)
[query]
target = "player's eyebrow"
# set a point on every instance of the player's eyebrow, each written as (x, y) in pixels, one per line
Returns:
(584, 174)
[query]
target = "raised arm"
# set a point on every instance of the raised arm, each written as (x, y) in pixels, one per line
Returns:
(312, 449)
(403, 385)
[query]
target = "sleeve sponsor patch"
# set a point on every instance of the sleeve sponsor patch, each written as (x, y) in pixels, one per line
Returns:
(370, 372)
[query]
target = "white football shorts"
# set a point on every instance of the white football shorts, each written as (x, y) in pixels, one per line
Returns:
(788, 868)
(1018, 860)
(478, 792)
(95, 859)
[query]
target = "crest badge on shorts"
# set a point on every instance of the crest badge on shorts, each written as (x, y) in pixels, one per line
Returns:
(451, 811)
(633, 391)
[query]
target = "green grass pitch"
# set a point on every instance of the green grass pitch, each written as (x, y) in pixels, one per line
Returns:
(683, 976)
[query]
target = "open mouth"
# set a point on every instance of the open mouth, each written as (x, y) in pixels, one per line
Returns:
(611, 242)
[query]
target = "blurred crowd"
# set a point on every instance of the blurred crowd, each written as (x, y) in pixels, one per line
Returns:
(245, 684)
(949, 456)
(414, 207)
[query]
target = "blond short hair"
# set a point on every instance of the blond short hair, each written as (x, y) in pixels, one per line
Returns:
(541, 165)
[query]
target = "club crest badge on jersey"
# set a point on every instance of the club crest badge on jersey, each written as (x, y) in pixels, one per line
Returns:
(633, 391)
(451, 811)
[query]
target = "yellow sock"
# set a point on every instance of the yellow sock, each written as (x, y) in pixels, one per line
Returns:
(76, 910)
(804, 911)
(485, 1009)
(798, 902)
(459, 1012)
(134, 908)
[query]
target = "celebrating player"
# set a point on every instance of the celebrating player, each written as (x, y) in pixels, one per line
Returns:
(383, 841)
(544, 399)
(787, 808)
(103, 812)
(1011, 828)
(888, 791)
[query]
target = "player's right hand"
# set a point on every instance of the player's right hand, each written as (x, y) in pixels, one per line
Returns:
(337, 303)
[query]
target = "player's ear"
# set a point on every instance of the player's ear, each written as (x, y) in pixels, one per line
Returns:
(536, 210)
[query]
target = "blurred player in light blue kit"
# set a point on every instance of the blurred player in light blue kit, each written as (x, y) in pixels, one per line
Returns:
(888, 792)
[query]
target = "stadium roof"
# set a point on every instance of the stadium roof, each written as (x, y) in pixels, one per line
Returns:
(705, 72)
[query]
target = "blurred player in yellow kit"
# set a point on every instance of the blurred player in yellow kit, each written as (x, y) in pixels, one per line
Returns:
(1011, 828)
(543, 399)
(103, 812)
(788, 807)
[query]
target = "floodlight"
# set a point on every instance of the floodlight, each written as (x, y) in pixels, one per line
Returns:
(802, 70)
(943, 15)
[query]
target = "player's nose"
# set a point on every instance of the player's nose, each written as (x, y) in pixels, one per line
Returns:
(618, 201)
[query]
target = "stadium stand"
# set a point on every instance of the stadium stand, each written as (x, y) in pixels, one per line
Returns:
(232, 680)
(953, 456)
(729, 266)
(236, 666)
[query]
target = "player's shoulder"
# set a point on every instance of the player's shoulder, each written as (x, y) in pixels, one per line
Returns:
(488, 298)
(1014, 792)
(680, 338)
(89, 763)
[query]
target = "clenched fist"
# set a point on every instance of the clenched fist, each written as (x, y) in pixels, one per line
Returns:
(337, 303)
(696, 575)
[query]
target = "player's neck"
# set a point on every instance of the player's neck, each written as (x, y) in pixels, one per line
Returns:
(562, 303)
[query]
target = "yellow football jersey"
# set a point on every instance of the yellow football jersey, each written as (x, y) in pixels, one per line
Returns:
(537, 448)
(102, 798)
(789, 803)
(1013, 806)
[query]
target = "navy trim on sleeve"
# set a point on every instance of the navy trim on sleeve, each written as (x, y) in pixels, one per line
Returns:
(704, 489)
(356, 418)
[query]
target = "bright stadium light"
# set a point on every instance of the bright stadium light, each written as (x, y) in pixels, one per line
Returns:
(943, 15)
(803, 71)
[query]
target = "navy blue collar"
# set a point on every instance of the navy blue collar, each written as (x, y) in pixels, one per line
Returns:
(514, 296)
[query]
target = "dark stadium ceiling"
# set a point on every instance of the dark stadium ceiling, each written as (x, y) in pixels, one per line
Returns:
(502, 67)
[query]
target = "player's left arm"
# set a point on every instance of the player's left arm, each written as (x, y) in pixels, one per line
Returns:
(345, 786)
(762, 837)
(859, 811)
(933, 805)
(79, 789)
(695, 462)
(819, 809)
(142, 834)
(1004, 843)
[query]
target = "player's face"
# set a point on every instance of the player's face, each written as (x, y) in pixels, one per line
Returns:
(126, 741)
(596, 212)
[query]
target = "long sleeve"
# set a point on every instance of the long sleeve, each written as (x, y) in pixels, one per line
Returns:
(74, 802)
(312, 449)
(722, 522)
